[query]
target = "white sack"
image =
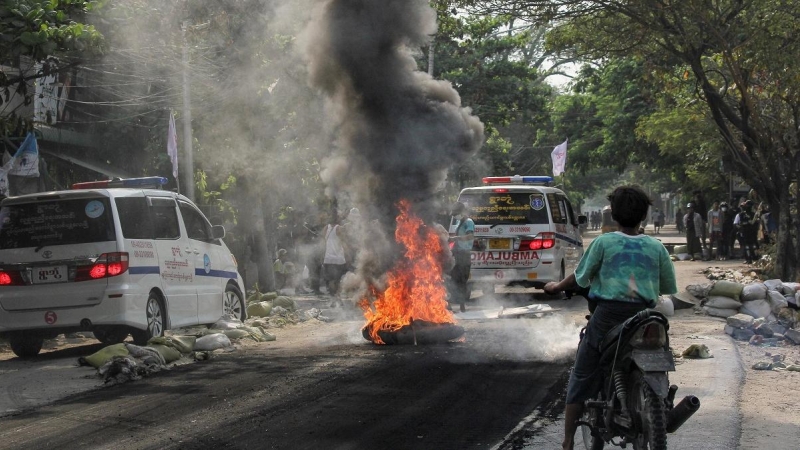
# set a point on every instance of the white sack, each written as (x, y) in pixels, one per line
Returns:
(665, 306)
(754, 291)
(790, 288)
(756, 308)
(774, 285)
(720, 302)
(212, 342)
(776, 301)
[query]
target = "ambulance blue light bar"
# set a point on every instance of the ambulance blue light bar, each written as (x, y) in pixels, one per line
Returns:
(518, 179)
(143, 182)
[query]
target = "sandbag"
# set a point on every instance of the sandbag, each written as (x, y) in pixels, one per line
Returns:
(212, 342)
(719, 312)
(259, 309)
(147, 355)
(183, 344)
(169, 354)
(258, 334)
(699, 290)
(284, 302)
(756, 308)
(664, 306)
(727, 289)
(776, 301)
(680, 249)
(720, 302)
(236, 334)
(790, 288)
(754, 291)
(774, 285)
(227, 322)
(104, 355)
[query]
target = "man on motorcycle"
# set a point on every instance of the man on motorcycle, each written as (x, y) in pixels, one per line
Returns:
(625, 272)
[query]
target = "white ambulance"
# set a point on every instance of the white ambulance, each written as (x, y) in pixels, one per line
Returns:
(112, 257)
(526, 232)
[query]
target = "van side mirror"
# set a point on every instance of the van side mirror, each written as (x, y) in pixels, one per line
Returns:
(217, 231)
(582, 220)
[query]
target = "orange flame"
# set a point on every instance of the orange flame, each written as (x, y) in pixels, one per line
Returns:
(415, 285)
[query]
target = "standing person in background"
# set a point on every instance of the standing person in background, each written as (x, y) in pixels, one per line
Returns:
(658, 220)
(334, 263)
(463, 239)
(700, 207)
(726, 236)
(746, 224)
(714, 228)
(679, 220)
(694, 226)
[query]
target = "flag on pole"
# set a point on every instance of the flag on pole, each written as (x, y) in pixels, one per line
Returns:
(26, 159)
(559, 156)
(172, 145)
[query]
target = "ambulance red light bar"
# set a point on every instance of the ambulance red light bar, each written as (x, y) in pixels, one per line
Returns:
(518, 179)
(143, 182)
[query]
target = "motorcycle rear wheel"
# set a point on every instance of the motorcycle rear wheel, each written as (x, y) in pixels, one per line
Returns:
(594, 417)
(648, 414)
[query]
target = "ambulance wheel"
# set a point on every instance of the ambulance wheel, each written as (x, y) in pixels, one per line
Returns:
(25, 345)
(156, 320)
(111, 336)
(233, 302)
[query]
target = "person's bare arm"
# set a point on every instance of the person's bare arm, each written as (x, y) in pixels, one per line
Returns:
(567, 283)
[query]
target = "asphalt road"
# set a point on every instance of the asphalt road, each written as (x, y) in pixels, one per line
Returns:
(321, 390)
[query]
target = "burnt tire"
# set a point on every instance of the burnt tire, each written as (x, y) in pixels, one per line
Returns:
(649, 415)
(111, 336)
(156, 320)
(233, 302)
(25, 345)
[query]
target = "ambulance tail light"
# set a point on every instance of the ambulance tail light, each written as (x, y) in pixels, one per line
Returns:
(107, 265)
(542, 241)
(11, 278)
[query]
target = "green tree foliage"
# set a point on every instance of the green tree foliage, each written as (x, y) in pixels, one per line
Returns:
(738, 56)
(38, 38)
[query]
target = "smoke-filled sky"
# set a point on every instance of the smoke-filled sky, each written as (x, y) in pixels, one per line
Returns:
(396, 129)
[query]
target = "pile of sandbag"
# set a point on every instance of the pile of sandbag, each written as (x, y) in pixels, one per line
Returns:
(771, 305)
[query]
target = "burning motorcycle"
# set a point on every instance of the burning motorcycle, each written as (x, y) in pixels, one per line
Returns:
(636, 402)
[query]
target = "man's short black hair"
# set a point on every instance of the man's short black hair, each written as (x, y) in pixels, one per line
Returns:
(629, 205)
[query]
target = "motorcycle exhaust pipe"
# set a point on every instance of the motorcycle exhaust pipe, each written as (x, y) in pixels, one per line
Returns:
(678, 415)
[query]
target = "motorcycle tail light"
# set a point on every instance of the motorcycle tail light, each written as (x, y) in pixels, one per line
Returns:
(650, 336)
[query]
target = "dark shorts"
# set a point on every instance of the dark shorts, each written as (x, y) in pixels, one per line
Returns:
(584, 381)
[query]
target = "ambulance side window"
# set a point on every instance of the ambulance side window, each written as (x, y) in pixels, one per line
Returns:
(165, 218)
(197, 227)
(134, 218)
(558, 208)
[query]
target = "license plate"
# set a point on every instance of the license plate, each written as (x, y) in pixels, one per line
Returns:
(499, 244)
(51, 274)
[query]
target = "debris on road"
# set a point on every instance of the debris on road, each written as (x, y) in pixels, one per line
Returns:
(697, 351)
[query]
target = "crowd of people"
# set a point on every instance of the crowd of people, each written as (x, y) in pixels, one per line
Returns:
(721, 226)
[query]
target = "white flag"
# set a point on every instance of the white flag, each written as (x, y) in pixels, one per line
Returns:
(172, 145)
(26, 159)
(559, 156)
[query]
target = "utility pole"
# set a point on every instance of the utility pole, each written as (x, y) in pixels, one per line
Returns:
(188, 155)
(430, 59)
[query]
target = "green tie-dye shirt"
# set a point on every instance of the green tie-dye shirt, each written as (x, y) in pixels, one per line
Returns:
(626, 268)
